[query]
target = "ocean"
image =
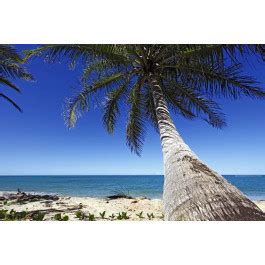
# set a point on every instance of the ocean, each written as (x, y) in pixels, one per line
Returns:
(150, 186)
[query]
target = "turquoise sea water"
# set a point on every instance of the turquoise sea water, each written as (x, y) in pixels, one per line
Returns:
(99, 186)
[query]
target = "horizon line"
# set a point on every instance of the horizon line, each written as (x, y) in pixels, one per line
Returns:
(234, 174)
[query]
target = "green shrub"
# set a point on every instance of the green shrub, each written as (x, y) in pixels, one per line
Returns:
(65, 218)
(12, 215)
(91, 217)
(58, 217)
(80, 215)
(3, 214)
(38, 216)
(21, 215)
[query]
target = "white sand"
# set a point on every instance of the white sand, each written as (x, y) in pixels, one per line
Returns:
(70, 205)
(260, 204)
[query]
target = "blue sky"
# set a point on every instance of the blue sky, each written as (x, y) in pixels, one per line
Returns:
(38, 142)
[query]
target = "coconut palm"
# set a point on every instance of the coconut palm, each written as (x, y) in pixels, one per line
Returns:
(11, 68)
(154, 80)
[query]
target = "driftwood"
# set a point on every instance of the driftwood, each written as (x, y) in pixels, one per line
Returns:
(45, 211)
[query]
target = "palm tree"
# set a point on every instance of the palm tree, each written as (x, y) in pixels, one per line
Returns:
(11, 68)
(154, 80)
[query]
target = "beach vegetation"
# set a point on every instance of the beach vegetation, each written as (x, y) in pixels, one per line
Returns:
(65, 218)
(38, 216)
(102, 215)
(122, 216)
(140, 215)
(91, 217)
(150, 216)
(80, 215)
(112, 216)
(12, 215)
(3, 213)
(59, 217)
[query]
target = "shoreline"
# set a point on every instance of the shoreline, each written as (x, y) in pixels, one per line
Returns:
(90, 208)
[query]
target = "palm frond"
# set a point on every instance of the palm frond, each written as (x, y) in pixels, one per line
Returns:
(196, 102)
(84, 52)
(10, 69)
(10, 53)
(135, 126)
(75, 106)
(111, 109)
(210, 54)
(10, 101)
(207, 53)
(177, 104)
(78, 104)
(101, 66)
(149, 107)
(227, 82)
(9, 84)
(191, 76)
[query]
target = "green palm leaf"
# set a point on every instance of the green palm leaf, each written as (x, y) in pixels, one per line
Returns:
(191, 76)
(11, 101)
(135, 126)
(11, 68)
(79, 103)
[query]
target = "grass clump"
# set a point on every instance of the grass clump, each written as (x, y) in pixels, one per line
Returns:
(150, 216)
(91, 217)
(112, 217)
(122, 216)
(140, 215)
(102, 215)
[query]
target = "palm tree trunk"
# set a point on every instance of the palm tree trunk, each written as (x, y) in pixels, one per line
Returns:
(192, 191)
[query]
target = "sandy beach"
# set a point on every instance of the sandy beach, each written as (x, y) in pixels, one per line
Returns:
(136, 209)
(81, 208)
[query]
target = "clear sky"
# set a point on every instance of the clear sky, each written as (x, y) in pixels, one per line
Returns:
(38, 142)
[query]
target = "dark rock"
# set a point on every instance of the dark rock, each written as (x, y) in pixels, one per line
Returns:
(24, 197)
(119, 196)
